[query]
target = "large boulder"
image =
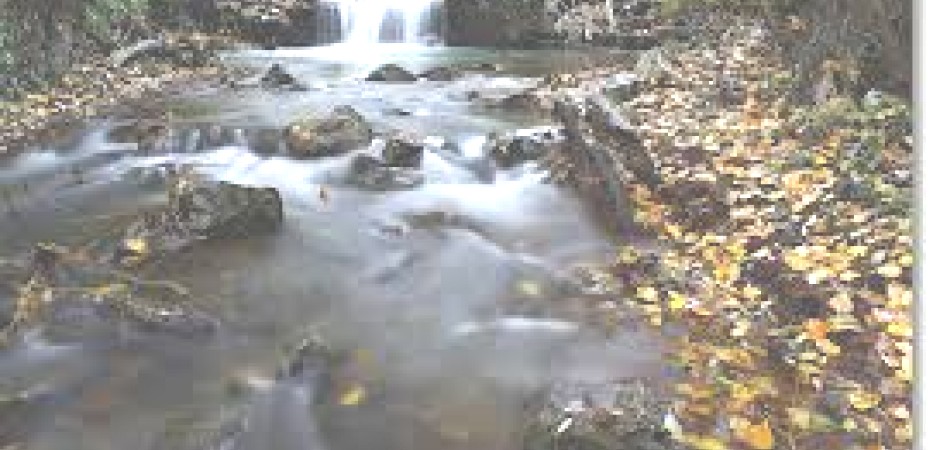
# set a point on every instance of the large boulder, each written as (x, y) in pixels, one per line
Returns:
(200, 208)
(620, 415)
(391, 73)
(342, 130)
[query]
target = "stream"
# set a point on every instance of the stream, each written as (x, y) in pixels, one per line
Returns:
(454, 322)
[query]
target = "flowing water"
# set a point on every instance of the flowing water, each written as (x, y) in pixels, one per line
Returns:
(363, 21)
(441, 314)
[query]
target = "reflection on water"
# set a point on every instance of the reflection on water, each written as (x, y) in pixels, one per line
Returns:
(447, 366)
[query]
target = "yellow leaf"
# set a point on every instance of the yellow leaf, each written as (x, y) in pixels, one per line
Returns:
(863, 401)
(353, 396)
(138, 246)
(900, 329)
(628, 255)
(751, 292)
(841, 303)
(899, 296)
(646, 293)
(704, 443)
(676, 301)
(901, 412)
(905, 433)
(858, 251)
(828, 347)
(742, 392)
(906, 260)
(806, 419)
(740, 328)
(890, 271)
(726, 272)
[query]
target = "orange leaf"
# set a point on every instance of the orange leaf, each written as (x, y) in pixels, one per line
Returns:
(757, 437)
(816, 329)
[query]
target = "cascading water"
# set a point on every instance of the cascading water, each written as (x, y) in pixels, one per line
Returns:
(363, 21)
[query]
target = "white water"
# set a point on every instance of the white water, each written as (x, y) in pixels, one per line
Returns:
(363, 20)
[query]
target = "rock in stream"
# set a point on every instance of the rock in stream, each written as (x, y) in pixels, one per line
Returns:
(344, 129)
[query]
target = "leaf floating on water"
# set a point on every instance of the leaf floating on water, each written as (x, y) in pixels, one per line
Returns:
(353, 396)
(529, 288)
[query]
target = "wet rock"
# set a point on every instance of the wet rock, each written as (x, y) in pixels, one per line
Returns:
(342, 130)
(372, 173)
(145, 133)
(123, 56)
(441, 73)
(403, 151)
(622, 87)
(17, 415)
(267, 141)
(189, 432)
(522, 145)
(622, 415)
(312, 362)
(278, 78)
(200, 208)
(529, 101)
(188, 51)
(391, 73)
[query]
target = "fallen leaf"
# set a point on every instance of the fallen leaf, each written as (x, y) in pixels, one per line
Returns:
(756, 436)
(353, 396)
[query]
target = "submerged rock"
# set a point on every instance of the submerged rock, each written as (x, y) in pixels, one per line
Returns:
(621, 415)
(112, 309)
(252, 421)
(391, 73)
(72, 296)
(342, 130)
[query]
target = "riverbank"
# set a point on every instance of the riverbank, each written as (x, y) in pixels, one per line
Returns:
(103, 88)
(783, 267)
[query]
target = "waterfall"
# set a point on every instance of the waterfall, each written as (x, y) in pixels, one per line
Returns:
(372, 21)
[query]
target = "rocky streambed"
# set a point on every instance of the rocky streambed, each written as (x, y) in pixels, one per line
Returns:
(328, 256)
